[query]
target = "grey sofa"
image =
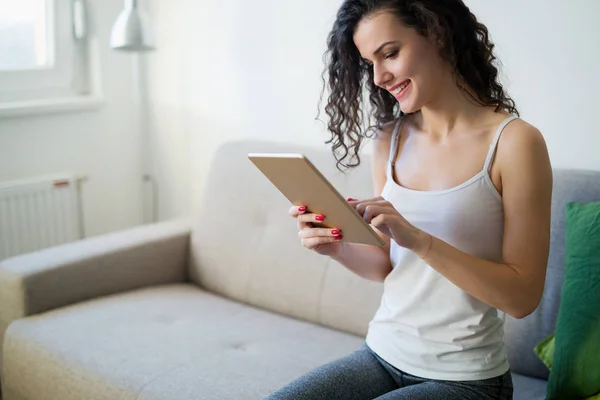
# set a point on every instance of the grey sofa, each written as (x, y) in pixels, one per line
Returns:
(229, 306)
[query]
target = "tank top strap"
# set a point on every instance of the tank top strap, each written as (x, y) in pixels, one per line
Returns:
(494, 145)
(394, 143)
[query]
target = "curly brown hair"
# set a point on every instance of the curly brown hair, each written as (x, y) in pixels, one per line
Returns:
(464, 43)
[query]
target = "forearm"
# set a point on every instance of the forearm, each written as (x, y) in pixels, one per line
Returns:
(503, 286)
(369, 262)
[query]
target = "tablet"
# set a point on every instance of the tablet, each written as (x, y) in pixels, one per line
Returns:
(302, 184)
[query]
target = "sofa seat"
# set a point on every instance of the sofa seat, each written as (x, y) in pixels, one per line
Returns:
(167, 342)
(527, 388)
(171, 342)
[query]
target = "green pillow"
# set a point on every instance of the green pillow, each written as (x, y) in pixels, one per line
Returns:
(545, 351)
(575, 372)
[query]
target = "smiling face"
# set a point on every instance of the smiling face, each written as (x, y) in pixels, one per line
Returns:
(404, 63)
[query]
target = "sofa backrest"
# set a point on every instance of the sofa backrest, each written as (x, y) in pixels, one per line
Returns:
(245, 246)
(523, 335)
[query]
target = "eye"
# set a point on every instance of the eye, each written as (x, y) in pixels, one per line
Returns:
(391, 54)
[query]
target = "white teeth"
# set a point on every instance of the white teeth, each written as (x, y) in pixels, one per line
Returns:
(397, 91)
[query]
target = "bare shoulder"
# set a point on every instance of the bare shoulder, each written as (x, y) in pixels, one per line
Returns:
(385, 131)
(520, 134)
(523, 155)
(381, 152)
(382, 140)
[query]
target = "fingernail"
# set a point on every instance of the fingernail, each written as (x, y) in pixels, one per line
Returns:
(302, 208)
(320, 218)
(351, 199)
(340, 237)
(335, 232)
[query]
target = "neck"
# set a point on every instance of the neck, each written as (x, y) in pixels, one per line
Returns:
(450, 111)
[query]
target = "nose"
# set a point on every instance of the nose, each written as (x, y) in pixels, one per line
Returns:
(381, 75)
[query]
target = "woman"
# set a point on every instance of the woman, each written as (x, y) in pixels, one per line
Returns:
(463, 193)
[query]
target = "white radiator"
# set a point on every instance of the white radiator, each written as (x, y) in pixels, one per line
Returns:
(39, 212)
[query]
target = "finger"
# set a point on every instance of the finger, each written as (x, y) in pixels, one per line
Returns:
(297, 210)
(380, 221)
(311, 217)
(362, 206)
(314, 242)
(356, 203)
(318, 232)
(306, 221)
(372, 211)
(353, 202)
(373, 199)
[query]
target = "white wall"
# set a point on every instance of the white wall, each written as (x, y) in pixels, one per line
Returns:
(100, 143)
(234, 69)
(170, 147)
(551, 55)
(238, 69)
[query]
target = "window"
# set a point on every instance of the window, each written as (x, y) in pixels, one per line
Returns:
(43, 50)
(24, 35)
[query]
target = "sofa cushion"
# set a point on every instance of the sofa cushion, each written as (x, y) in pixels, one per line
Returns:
(526, 388)
(523, 335)
(576, 366)
(171, 342)
(245, 246)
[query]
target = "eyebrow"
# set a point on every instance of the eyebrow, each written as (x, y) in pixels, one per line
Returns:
(381, 48)
(383, 45)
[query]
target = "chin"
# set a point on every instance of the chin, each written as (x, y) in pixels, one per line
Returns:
(408, 108)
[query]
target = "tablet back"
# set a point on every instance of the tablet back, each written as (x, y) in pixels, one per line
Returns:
(302, 184)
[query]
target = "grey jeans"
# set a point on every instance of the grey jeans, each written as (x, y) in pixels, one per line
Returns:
(363, 375)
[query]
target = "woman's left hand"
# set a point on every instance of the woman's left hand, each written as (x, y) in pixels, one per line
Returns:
(382, 215)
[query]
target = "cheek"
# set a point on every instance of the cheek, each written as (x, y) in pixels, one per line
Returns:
(423, 69)
(410, 64)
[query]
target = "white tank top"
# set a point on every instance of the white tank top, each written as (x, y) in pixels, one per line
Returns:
(425, 325)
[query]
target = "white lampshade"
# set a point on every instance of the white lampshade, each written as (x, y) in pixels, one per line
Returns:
(131, 31)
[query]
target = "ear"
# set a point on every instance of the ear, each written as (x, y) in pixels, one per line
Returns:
(437, 40)
(436, 35)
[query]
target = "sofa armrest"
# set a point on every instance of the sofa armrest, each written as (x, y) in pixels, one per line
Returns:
(143, 256)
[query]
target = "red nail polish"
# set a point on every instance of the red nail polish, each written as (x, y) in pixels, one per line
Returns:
(320, 218)
(351, 199)
(335, 232)
(302, 208)
(338, 238)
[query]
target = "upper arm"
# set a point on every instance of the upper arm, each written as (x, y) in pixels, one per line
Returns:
(527, 182)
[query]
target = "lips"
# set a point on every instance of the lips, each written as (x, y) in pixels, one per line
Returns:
(396, 90)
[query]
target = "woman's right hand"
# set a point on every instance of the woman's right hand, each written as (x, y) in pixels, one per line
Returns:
(325, 241)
